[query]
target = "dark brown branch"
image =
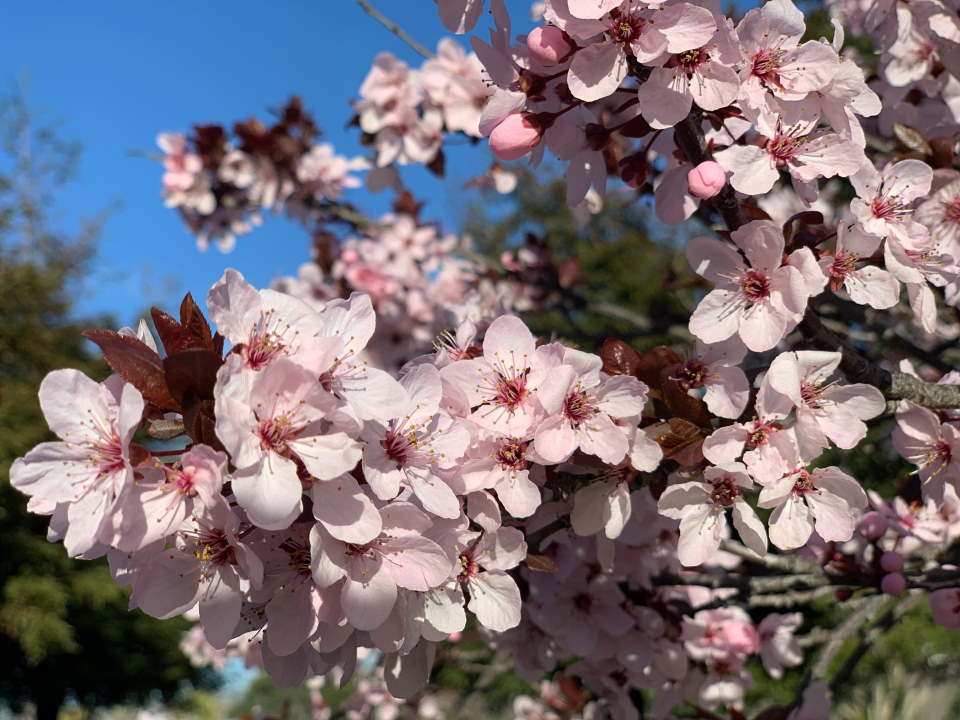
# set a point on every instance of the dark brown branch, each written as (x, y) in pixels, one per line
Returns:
(394, 28)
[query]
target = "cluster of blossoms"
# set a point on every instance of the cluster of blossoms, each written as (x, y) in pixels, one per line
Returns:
(220, 187)
(333, 494)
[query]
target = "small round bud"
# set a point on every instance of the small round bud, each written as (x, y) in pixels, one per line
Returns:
(706, 179)
(891, 562)
(873, 525)
(893, 584)
(514, 137)
(548, 45)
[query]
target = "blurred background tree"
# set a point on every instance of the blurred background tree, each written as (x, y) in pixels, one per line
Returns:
(65, 631)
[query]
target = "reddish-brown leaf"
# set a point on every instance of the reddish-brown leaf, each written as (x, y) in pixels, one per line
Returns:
(193, 321)
(173, 336)
(618, 357)
(137, 364)
(681, 441)
(192, 372)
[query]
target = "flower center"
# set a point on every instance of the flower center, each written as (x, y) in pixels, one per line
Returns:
(214, 548)
(468, 568)
(804, 483)
(761, 433)
(812, 394)
(299, 556)
(276, 432)
(766, 65)
(626, 27)
(578, 408)
(783, 148)
(725, 491)
(951, 210)
(108, 455)
(267, 340)
(755, 286)
(399, 445)
(511, 454)
(843, 264)
(690, 60)
(509, 392)
(692, 375)
(583, 602)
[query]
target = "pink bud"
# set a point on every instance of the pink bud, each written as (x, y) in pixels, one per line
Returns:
(548, 45)
(873, 525)
(891, 562)
(893, 584)
(706, 179)
(514, 137)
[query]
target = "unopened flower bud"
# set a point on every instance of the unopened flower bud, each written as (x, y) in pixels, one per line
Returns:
(891, 562)
(548, 45)
(706, 179)
(514, 137)
(893, 584)
(873, 525)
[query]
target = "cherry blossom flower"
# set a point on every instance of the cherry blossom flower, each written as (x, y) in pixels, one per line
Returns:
(716, 369)
(756, 301)
(776, 62)
(771, 447)
(865, 284)
(884, 201)
(502, 464)
(415, 448)
(598, 69)
(779, 648)
(494, 595)
(269, 422)
(825, 498)
(207, 563)
(704, 75)
(825, 410)
(804, 153)
(932, 446)
(945, 606)
(503, 384)
(371, 573)
(701, 509)
(91, 468)
(161, 501)
(591, 404)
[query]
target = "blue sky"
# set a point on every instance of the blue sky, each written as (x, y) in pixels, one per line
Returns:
(117, 73)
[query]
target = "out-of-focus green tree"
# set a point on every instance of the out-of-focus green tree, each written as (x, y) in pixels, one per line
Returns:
(65, 631)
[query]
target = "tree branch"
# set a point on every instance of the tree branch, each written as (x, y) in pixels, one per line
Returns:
(394, 28)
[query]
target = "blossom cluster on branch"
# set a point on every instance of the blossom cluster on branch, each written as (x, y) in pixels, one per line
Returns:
(310, 481)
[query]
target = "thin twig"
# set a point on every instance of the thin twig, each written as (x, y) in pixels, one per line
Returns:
(394, 28)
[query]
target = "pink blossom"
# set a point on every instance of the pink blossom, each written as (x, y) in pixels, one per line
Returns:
(701, 509)
(416, 448)
(827, 498)
(779, 648)
(825, 410)
(756, 301)
(494, 595)
(157, 505)
(502, 464)
(503, 384)
(865, 284)
(704, 75)
(884, 201)
(266, 324)
(771, 448)
(797, 148)
(269, 421)
(716, 369)
(207, 562)
(933, 446)
(90, 469)
(775, 61)
(591, 404)
(371, 573)
(598, 69)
